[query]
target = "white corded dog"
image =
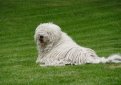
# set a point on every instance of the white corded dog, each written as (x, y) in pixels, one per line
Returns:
(56, 48)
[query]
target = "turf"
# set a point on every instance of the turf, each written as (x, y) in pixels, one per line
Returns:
(91, 23)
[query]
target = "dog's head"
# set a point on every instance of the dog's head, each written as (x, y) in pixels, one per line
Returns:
(47, 33)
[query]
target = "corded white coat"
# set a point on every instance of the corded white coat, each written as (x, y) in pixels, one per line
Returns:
(59, 49)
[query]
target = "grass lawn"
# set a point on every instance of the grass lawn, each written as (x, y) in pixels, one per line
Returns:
(91, 23)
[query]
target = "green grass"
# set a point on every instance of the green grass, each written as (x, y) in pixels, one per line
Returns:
(91, 23)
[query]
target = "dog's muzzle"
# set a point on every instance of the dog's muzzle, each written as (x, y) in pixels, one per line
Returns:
(41, 39)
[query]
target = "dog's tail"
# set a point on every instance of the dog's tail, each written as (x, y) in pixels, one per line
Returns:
(115, 58)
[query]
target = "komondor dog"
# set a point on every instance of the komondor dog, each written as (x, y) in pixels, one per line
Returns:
(56, 48)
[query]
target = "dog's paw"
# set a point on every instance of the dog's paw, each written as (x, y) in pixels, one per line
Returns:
(37, 61)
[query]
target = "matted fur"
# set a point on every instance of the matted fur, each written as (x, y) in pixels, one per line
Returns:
(56, 48)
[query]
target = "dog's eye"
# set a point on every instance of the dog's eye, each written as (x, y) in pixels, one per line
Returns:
(41, 36)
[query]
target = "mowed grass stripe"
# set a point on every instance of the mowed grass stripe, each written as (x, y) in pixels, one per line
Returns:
(55, 10)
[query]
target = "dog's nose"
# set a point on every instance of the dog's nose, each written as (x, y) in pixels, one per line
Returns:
(41, 36)
(41, 39)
